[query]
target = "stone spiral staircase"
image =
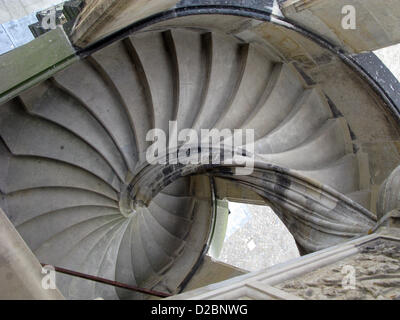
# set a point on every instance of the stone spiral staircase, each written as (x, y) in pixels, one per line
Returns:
(70, 146)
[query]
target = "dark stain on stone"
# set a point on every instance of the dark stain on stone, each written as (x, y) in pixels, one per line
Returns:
(352, 134)
(335, 111)
(263, 5)
(308, 80)
(208, 168)
(226, 170)
(247, 24)
(324, 58)
(282, 184)
(172, 178)
(167, 170)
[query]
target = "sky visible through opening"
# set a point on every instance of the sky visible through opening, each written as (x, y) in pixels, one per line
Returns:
(256, 238)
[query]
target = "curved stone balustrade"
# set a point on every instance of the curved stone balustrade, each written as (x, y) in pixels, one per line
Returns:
(317, 215)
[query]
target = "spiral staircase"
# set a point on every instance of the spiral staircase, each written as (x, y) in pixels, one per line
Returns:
(70, 147)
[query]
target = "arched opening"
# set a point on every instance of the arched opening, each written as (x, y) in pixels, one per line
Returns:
(255, 238)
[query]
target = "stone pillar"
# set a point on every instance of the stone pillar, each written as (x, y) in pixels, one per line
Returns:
(20, 272)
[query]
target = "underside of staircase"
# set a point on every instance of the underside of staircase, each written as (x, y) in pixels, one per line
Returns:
(72, 146)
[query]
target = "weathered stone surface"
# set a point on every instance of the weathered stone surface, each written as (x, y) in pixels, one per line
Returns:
(377, 24)
(376, 270)
(102, 17)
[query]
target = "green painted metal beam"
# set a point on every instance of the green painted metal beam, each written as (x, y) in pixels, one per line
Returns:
(34, 62)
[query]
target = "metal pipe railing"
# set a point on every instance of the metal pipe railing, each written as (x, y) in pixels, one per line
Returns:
(110, 282)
